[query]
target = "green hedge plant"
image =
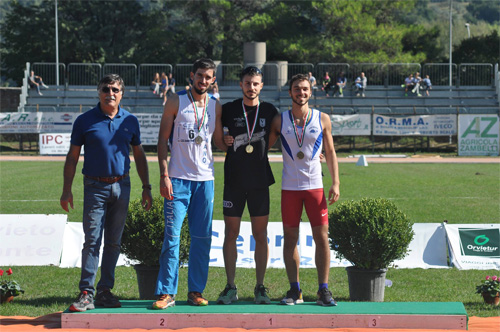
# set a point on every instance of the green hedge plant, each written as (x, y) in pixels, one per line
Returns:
(143, 234)
(370, 233)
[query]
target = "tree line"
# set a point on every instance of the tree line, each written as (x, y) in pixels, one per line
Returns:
(171, 31)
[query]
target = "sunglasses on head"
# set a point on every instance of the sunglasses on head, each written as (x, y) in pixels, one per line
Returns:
(251, 70)
(106, 89)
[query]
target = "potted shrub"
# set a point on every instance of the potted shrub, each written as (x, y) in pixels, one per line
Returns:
(142, 241)
(371, 234)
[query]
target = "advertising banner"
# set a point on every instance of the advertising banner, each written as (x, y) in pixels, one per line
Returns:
(73, 244)
(416, 125)
(150, 127)
(474, 246)
(351, 125)
(478, 135)
(31, 239)
(36, 122)
(54, 144)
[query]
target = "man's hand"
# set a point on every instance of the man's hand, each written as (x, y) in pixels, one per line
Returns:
(333, 194)
(166, 189)
(66, 197)
(229, 140)
(147, 199)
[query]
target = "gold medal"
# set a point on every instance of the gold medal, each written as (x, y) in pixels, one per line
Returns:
(300, 155)
(249, 148)
(198, 140)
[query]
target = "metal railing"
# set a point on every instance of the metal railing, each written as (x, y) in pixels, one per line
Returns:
(127, 71)
(439, 73)
(375, 73)
(397, 72)
(47, 71)
(147, 72)
(84, 74)
(276, 74)
(476, 74)
(228, 74)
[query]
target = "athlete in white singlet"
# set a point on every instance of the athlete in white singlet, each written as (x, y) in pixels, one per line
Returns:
(304, 132)
(186, 182)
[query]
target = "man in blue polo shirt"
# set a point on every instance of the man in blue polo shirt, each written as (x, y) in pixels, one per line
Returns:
(107, 132)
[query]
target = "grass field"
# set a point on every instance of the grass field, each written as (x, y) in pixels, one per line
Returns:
(459, 193)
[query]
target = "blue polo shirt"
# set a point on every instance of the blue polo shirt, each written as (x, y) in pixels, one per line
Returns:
(107, 141)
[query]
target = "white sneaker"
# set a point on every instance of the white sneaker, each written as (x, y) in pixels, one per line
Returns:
(413, 91)
(45, 86)
(40, 94)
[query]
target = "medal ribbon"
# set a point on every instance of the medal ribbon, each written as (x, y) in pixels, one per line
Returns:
(195, 108)
(300, 139)
(250, 133)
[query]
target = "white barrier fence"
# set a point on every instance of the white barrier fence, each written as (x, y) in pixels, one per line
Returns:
(50, 240)
(478, 135)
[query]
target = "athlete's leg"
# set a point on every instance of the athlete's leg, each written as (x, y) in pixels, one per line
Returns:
(261, 255)
(322, 255)
(231, 232)
(317, 212)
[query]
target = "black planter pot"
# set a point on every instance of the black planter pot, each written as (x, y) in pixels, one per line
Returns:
(146, 280)
(366, 285)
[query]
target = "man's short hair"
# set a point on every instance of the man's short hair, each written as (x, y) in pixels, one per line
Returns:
(252, 71)
(203, 63)
(298, 77)
(110, 79)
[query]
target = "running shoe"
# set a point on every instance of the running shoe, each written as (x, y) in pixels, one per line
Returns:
(325, 298)
(228, 295)
(293, 296)
(261, 297)
(195, 298)
(164, 301)
(105, 298)
(85, 301)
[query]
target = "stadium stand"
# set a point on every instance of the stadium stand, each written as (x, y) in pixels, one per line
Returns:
(479, 95)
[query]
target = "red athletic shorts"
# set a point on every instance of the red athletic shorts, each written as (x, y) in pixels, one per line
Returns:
(292, 202)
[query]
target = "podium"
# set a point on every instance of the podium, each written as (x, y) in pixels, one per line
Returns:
(402, 315)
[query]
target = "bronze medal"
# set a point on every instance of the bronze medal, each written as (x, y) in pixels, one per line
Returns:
(198, 140)
(249, 148)
(300, 155)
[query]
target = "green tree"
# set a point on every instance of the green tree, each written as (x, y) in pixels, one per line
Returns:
(483, 49)
(487, 10)
(27, 36)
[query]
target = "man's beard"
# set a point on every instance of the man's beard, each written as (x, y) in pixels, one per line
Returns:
(198, 91)
(300, 104)
(251, 98)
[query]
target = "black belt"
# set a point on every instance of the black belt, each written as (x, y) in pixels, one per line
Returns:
(107, 179)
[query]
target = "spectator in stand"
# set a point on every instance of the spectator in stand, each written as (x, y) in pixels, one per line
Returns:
(416, 82)
(35, 81)
(360, 84)
(215, 92)
(408, 85)
(340, 85)
(326, 86)
(155, 84)
(171, 84)
(312, 79)
(164, 87)
(426, 85)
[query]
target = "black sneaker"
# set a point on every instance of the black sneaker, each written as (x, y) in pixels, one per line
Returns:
(105, 298)
(293, 296)
(85, 301)
(325, 298)
(260, 293)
